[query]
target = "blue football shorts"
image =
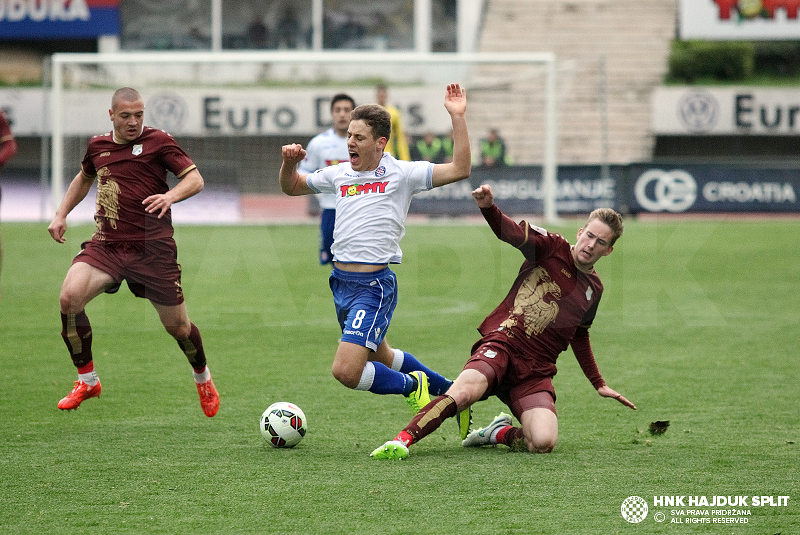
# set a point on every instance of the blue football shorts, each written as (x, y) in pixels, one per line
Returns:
(364, 304)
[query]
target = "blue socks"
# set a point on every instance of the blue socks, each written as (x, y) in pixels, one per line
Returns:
(408, 363)
(379, 379)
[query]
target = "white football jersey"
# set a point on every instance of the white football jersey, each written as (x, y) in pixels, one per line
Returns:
(327, 148)
(371, 207)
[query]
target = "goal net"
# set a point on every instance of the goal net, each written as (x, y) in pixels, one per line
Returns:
(232, 111)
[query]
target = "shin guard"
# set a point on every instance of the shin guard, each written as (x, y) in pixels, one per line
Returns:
(431, 417)
(192, 347)
(77, 334)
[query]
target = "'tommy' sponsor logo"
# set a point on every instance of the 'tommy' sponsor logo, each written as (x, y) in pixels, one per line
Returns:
(349, 190)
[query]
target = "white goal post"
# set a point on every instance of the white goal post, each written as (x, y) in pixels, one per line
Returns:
(513, 91)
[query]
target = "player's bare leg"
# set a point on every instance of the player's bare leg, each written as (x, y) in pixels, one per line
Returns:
(540, 429)
(468, 388)
(82, 284)
(348, 363)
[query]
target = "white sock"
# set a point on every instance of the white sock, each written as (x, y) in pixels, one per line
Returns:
(399, 357)
(367, 377)
(201, 378)
(493, 436)
(89, 378)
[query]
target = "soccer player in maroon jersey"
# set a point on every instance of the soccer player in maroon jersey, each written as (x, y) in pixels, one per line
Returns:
(8, 148)
(550, 306)
(132, 240)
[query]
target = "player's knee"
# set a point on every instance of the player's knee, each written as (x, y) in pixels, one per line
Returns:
(346, 376)
(179, 332)
(70, 302)
(541, 444)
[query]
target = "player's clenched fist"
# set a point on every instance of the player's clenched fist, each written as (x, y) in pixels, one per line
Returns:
(483, 196)
(293, 153)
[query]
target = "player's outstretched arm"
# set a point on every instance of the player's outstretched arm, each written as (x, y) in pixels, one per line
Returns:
(455, 102)
(76, 192)
(503, 226)
(292, 182)
(608, 392)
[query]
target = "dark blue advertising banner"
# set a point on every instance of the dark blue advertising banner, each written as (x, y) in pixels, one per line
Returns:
(58, 19)
(518, 190)
(712, 188)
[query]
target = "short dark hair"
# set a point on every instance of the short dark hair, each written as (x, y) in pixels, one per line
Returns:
(128, 94)
(376, 117)
(342, 96)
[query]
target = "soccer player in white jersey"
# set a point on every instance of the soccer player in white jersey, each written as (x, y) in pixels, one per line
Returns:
(373, 192)
(329, 148)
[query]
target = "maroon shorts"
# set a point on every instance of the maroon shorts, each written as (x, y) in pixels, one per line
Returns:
(150, 268)
(514, 385)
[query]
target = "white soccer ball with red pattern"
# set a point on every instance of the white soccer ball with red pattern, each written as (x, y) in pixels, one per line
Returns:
(283, 424)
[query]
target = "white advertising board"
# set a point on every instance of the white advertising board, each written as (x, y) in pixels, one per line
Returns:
(725, 111)
(220, 112)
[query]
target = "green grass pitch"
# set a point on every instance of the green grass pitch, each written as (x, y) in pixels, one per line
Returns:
(698, 326)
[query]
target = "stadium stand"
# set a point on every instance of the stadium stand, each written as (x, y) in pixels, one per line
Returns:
(632, 37)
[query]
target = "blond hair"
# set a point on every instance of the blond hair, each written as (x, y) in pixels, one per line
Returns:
(611, 218)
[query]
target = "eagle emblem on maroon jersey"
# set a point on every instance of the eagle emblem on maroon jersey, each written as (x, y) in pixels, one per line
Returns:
(531, 305)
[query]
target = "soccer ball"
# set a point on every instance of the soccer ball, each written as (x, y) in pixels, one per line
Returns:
(283, 424)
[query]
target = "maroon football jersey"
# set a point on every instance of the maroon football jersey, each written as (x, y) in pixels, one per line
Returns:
(549, 299)
(6, 152)
(126, 175)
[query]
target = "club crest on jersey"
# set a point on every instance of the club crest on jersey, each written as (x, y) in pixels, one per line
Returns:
(380, 171)
(349, 190)
(589, 293)
(137, 150)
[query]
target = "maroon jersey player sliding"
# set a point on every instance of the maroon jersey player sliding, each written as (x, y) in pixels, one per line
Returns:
(550, 306)
(132, 241)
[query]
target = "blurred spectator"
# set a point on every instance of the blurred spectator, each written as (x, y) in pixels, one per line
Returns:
(397, 145)
(288, 29)
(342, 30)
(493, 150)
(195, 39)
(447, 147)
(429, 148)
(258, 33)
